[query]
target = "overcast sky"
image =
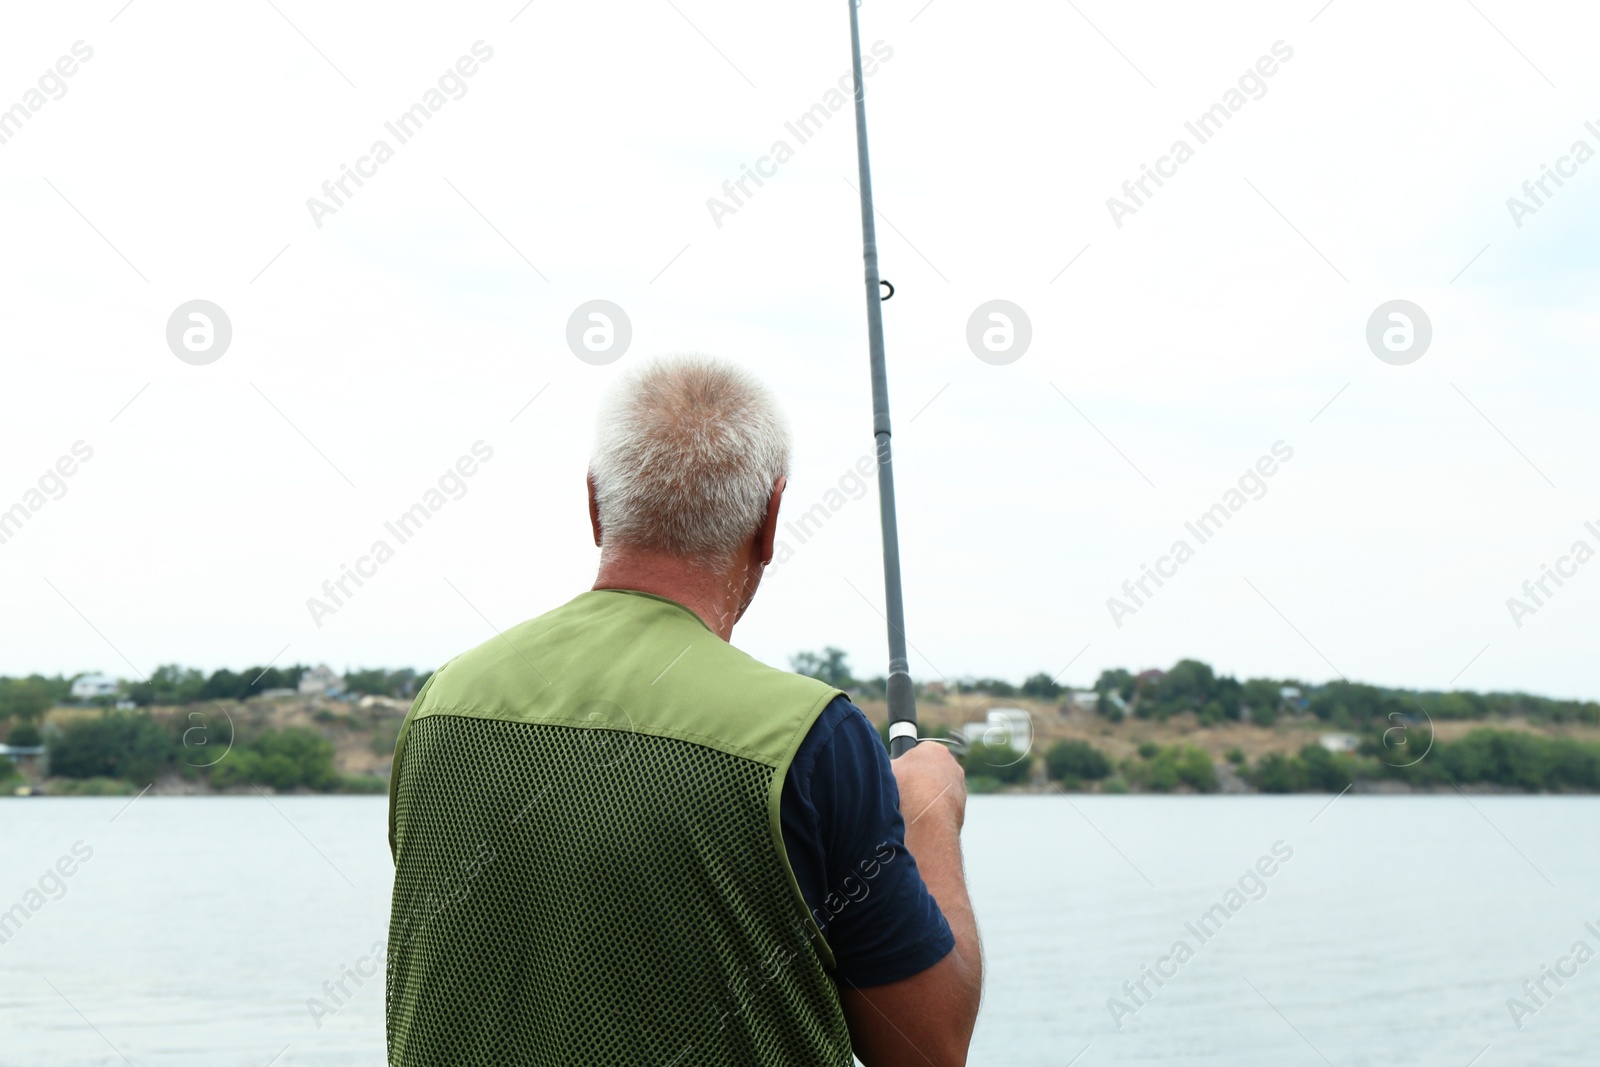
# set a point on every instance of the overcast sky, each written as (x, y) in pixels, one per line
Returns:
(1171, 347)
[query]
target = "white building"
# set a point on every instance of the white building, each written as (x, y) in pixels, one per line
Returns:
(1339, 742)
(91, 686)
(1002, 726)
(320, 681)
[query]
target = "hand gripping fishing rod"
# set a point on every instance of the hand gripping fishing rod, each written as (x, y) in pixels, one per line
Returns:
(902, 699)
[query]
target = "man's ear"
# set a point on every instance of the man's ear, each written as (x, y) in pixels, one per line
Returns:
(594, 510)
(769, 525)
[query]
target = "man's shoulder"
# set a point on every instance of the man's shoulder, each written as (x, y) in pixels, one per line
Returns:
(651, 661)
(593, 621)
(841, 728)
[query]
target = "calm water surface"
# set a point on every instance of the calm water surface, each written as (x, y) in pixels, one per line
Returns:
(1393, 934)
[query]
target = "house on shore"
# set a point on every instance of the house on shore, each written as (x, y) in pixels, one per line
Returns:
(1002, 726)
(1082, 699)
(92, 686)
(321, 681)
(1339, 742)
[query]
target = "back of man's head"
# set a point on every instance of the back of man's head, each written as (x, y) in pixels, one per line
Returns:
(687, 453)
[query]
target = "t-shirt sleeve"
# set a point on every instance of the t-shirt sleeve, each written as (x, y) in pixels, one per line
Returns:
(842, 828)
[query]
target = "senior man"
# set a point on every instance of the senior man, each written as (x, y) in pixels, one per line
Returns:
(620, 840)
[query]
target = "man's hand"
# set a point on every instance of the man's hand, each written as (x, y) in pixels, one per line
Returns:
(927, 1018)
(931, 783)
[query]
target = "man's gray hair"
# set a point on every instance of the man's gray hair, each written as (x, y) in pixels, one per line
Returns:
(686, 456)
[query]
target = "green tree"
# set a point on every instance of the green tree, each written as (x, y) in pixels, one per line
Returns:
(403, 682)
(24, 699)
(1262, 696)
(24, 735)
(1116, 681)
(376, 682)
(119, 745)
(1522, 761)
(1325, 771)
(830, 666)
(283, 759)
(1168, 768)
(168, 684)
(1001, 762)
(1277, 773)
(1189, 683)
(1196, 770)
(1351, 705)
(1072, 760)
(263, 678)
(1041, 686)
(225, 685)
(995, 687)
(1230, 695)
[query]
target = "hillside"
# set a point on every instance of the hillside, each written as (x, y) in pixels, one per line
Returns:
(1054, 721)
(288, 743)
(228, 746)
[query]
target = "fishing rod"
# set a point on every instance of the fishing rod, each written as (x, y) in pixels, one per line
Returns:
(902, 698)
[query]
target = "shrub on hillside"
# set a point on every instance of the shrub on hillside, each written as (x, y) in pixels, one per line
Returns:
(283, 759)
(119, 745)
(24, 735)
(1519, 760)
(1314, 770)
(1275, 773)
(1000, 762)
(1325, 771)
(1168, 768)
(1076, 760)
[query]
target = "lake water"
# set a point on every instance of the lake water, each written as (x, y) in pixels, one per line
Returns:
(1392, 935)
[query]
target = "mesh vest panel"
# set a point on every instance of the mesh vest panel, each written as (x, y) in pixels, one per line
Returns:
(567, 896)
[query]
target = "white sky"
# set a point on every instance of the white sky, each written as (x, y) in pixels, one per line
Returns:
(1192, 338)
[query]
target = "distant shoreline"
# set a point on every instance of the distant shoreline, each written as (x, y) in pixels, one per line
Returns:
(287, 744)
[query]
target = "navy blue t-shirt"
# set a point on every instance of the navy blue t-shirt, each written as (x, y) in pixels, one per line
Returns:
(842, 828)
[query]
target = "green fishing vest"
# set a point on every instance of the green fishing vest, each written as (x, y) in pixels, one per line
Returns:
(589, 866)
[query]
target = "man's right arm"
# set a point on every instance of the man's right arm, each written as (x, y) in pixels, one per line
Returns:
(928, 1017)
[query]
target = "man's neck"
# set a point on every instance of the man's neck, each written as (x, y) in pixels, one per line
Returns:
(715, 594)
